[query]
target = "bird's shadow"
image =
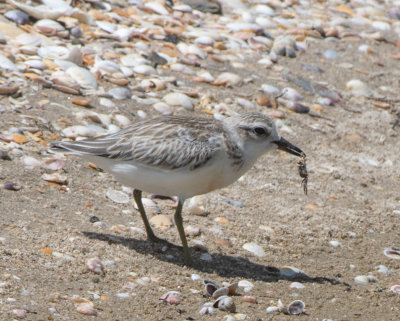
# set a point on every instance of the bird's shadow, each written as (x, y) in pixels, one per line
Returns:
(224, 265)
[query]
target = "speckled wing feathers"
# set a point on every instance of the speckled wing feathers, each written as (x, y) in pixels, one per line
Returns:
(165, 142)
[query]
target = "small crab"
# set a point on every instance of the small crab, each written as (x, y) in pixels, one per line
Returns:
(303, 172)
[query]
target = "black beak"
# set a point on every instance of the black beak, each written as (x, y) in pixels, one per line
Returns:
(284, 145)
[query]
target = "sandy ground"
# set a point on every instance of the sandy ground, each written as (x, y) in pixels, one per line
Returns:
(353, 194)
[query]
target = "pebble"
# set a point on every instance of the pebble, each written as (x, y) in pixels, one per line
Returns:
(336, 243)
(296, 285)
(331, 54)
(254, 248)
(206, 257)
(195, 277)
(123, 295)
(289, 271)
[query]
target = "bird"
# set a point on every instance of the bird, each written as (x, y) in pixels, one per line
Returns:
(181, 156)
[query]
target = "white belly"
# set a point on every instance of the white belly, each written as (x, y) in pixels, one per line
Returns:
(180, 182)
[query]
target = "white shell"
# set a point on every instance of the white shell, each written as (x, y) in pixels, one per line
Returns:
(229, 79)
(246, 285)
(83, 77)
(163, 108)
(78, 130)
(118, 197)
(391, 253)
(383, 270)
(95, 265)
(254, 249)
(358, 88)
(225, 303)
(179, 99)
(181, 69)
(87, 309)
(55, 178)
(365, 279)
(144, 70)
(48, 26)
(395, 288)
(157, 7)
(53, 52)
(122, 120)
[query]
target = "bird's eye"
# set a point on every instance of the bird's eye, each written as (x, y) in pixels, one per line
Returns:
(260, 131)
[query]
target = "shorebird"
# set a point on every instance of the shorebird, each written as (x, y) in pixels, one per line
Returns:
(181, 156)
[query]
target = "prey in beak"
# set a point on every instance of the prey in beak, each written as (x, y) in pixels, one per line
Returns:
(288, 147)
(284, 145)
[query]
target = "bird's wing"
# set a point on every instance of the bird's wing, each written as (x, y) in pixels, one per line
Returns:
(165, 142)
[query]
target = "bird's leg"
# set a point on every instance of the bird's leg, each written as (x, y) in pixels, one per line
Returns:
(181, 230)
(137, 195)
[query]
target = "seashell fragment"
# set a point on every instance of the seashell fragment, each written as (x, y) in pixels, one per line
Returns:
(7, 64)
(220, 292)
(296, 307)
(358, 88)
(290, 271)
(118, 197)
(228, 79)
(53, 52)
(296, 285)
(392, 253)
(254, 248)
(19, 313)
(246, 285)
(161, 221)
(179, 99)
(86, 309)
(225, 303)
(272, 309)
(53, 163)
(210, 287)
(19, 17)
(163, 108)
(83, 77)
(171, 297)
(120, 93)
(207, 309)
(55, 178)
(249, 299)
(50, 28)
(335, 243)
(78, 130)
(192, 231)
(95, 265)
(156, 7)
(365, 279)
(395, 288)
(43, 11)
